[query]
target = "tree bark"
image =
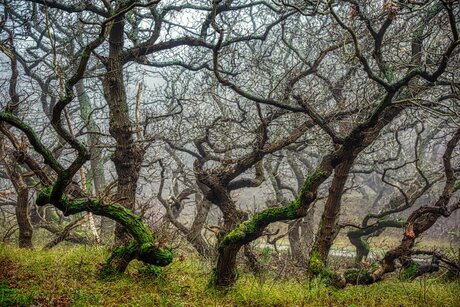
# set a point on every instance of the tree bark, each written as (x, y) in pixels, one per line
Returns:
(128, 155)
(225, 268)
(195, 236)
(22, 209)
(22, 216)
(328, 228)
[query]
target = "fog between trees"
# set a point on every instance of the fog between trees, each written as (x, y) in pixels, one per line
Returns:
(226, 127)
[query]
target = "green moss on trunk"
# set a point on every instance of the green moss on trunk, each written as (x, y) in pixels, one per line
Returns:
(143, 247)
(317, 268)
(358, 237)
(249, 230)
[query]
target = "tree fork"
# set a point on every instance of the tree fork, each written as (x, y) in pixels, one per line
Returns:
(251, 229)
(358, 237)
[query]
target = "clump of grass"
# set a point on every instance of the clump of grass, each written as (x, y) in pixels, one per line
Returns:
(13, 297)
(69, 277)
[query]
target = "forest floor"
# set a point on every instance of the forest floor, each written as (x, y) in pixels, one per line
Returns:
(67, 276)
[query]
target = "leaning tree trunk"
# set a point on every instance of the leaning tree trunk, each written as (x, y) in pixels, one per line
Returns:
(328, 228)
(361, 137)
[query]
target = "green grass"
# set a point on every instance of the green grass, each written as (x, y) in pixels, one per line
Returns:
(68, 277)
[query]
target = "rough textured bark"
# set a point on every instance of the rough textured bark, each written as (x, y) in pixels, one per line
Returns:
(328, 228)
(22, 215)
(128, 155)
(22, 209)
(225, 273)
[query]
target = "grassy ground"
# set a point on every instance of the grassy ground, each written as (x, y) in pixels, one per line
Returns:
(68, 277)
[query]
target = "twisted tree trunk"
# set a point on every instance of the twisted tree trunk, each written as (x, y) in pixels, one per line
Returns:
(143, 247)
(128, 155)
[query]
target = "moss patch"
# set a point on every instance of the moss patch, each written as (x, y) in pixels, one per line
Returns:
(251, 229)
(358, 277)
(410, 272)
(13, 297)
(317, 268)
